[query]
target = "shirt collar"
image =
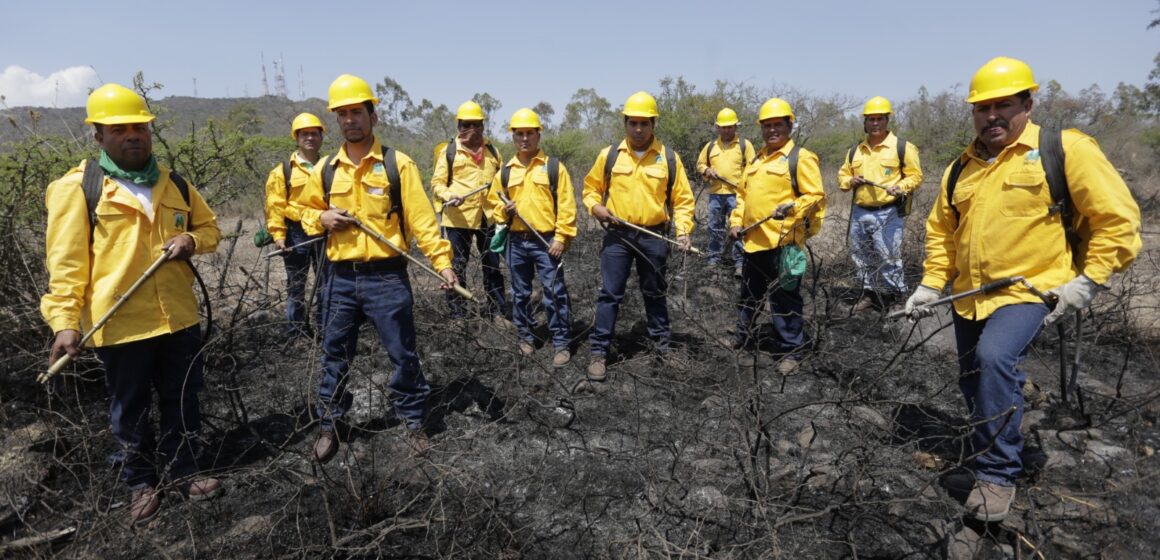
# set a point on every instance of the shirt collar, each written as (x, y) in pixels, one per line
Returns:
(539, 157)
(375, 153)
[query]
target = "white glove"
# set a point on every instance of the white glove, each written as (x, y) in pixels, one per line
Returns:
(916, 304)
(1072, 296)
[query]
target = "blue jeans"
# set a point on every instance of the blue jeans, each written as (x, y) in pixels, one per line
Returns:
(876, 247)
(720, 207)
(620, 249)
(758, 276)
(383, 297)
(171, 364)
(526, 255)
(461, 239)
(990, 351)
(298, 264)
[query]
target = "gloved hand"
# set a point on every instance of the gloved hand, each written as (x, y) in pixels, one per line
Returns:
(1072, 296)
(916, 304)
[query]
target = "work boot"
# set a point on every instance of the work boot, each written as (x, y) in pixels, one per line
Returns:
(501, 322)
(864, 304)
(144, 504)
(596, 369)
(989, 501)
(737, 272)
(562, 357)
(203, 489)
(526, 348)
(419, 443)
(325, 446)
(788, 366)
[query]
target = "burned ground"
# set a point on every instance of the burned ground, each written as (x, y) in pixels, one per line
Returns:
(708, 453)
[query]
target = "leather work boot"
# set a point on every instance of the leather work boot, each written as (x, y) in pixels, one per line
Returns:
(789, 366)
(562, 357)
(989, 501)
(203, 489)
(144, 504)
(864, 304)
(596, 369)
(526, 348)
(419, 443)
(325, 446)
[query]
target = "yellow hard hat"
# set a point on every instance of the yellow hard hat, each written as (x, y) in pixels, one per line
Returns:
(640, 104)
(525, 118)
(116, 104)
(877, 106)
(469, 111)
(349, 90)
(305, 120)
(726, 117)
(1000, 77)
(775, 107)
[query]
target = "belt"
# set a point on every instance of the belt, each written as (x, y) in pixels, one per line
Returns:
(381, 265)
(530, 235)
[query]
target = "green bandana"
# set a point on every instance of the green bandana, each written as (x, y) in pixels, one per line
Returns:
(147, 176)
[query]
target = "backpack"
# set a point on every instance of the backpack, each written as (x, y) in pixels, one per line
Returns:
(670, 160)
(450, 155)
(741, 144)
(904, 202)
(553, 169)
(817, 213)
(93, 181)
(1052, 158)
(395, 192)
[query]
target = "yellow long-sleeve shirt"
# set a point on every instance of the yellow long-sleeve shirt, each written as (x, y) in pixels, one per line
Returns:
(86, 277)
(880, 164)
(766, 186)
(728, 160)
(1003, 227)
(530, 188)
(363, 190)
(636, 193)
(467, 176)
(278, 207)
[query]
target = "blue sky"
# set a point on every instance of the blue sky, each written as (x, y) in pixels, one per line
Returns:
(52, 52)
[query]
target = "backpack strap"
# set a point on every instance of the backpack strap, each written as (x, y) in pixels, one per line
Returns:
(328, 168)
(850, 153)
(901, 157)
(609, 162)
(182, 186)
(793, 165)
(952, 180)
(505, 173)
(1053, 159)
(92, 183)
(671, 162)
(554, 183)
(287, 170)
(741, 146)
(494, 153)
(709, 153)
(449, 153)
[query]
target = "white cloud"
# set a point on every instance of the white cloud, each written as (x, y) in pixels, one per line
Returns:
(63, 88)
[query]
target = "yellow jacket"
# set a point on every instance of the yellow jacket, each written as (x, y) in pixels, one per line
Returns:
(86, 277)
(278, 208)
(766, 186)
(880, 165)
(637, 193)
(363, 190)
(530, 188)
(1003, 228)
(467, 176)
(728, 161)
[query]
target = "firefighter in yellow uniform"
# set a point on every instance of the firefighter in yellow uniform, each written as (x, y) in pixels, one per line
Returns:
(636, 181)
(884, 171)
(367, 279)
(300, 252)
(768, 190)
(94, 253)
(533, 195)
(995, 218)
(722, 162)
(474, 161)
